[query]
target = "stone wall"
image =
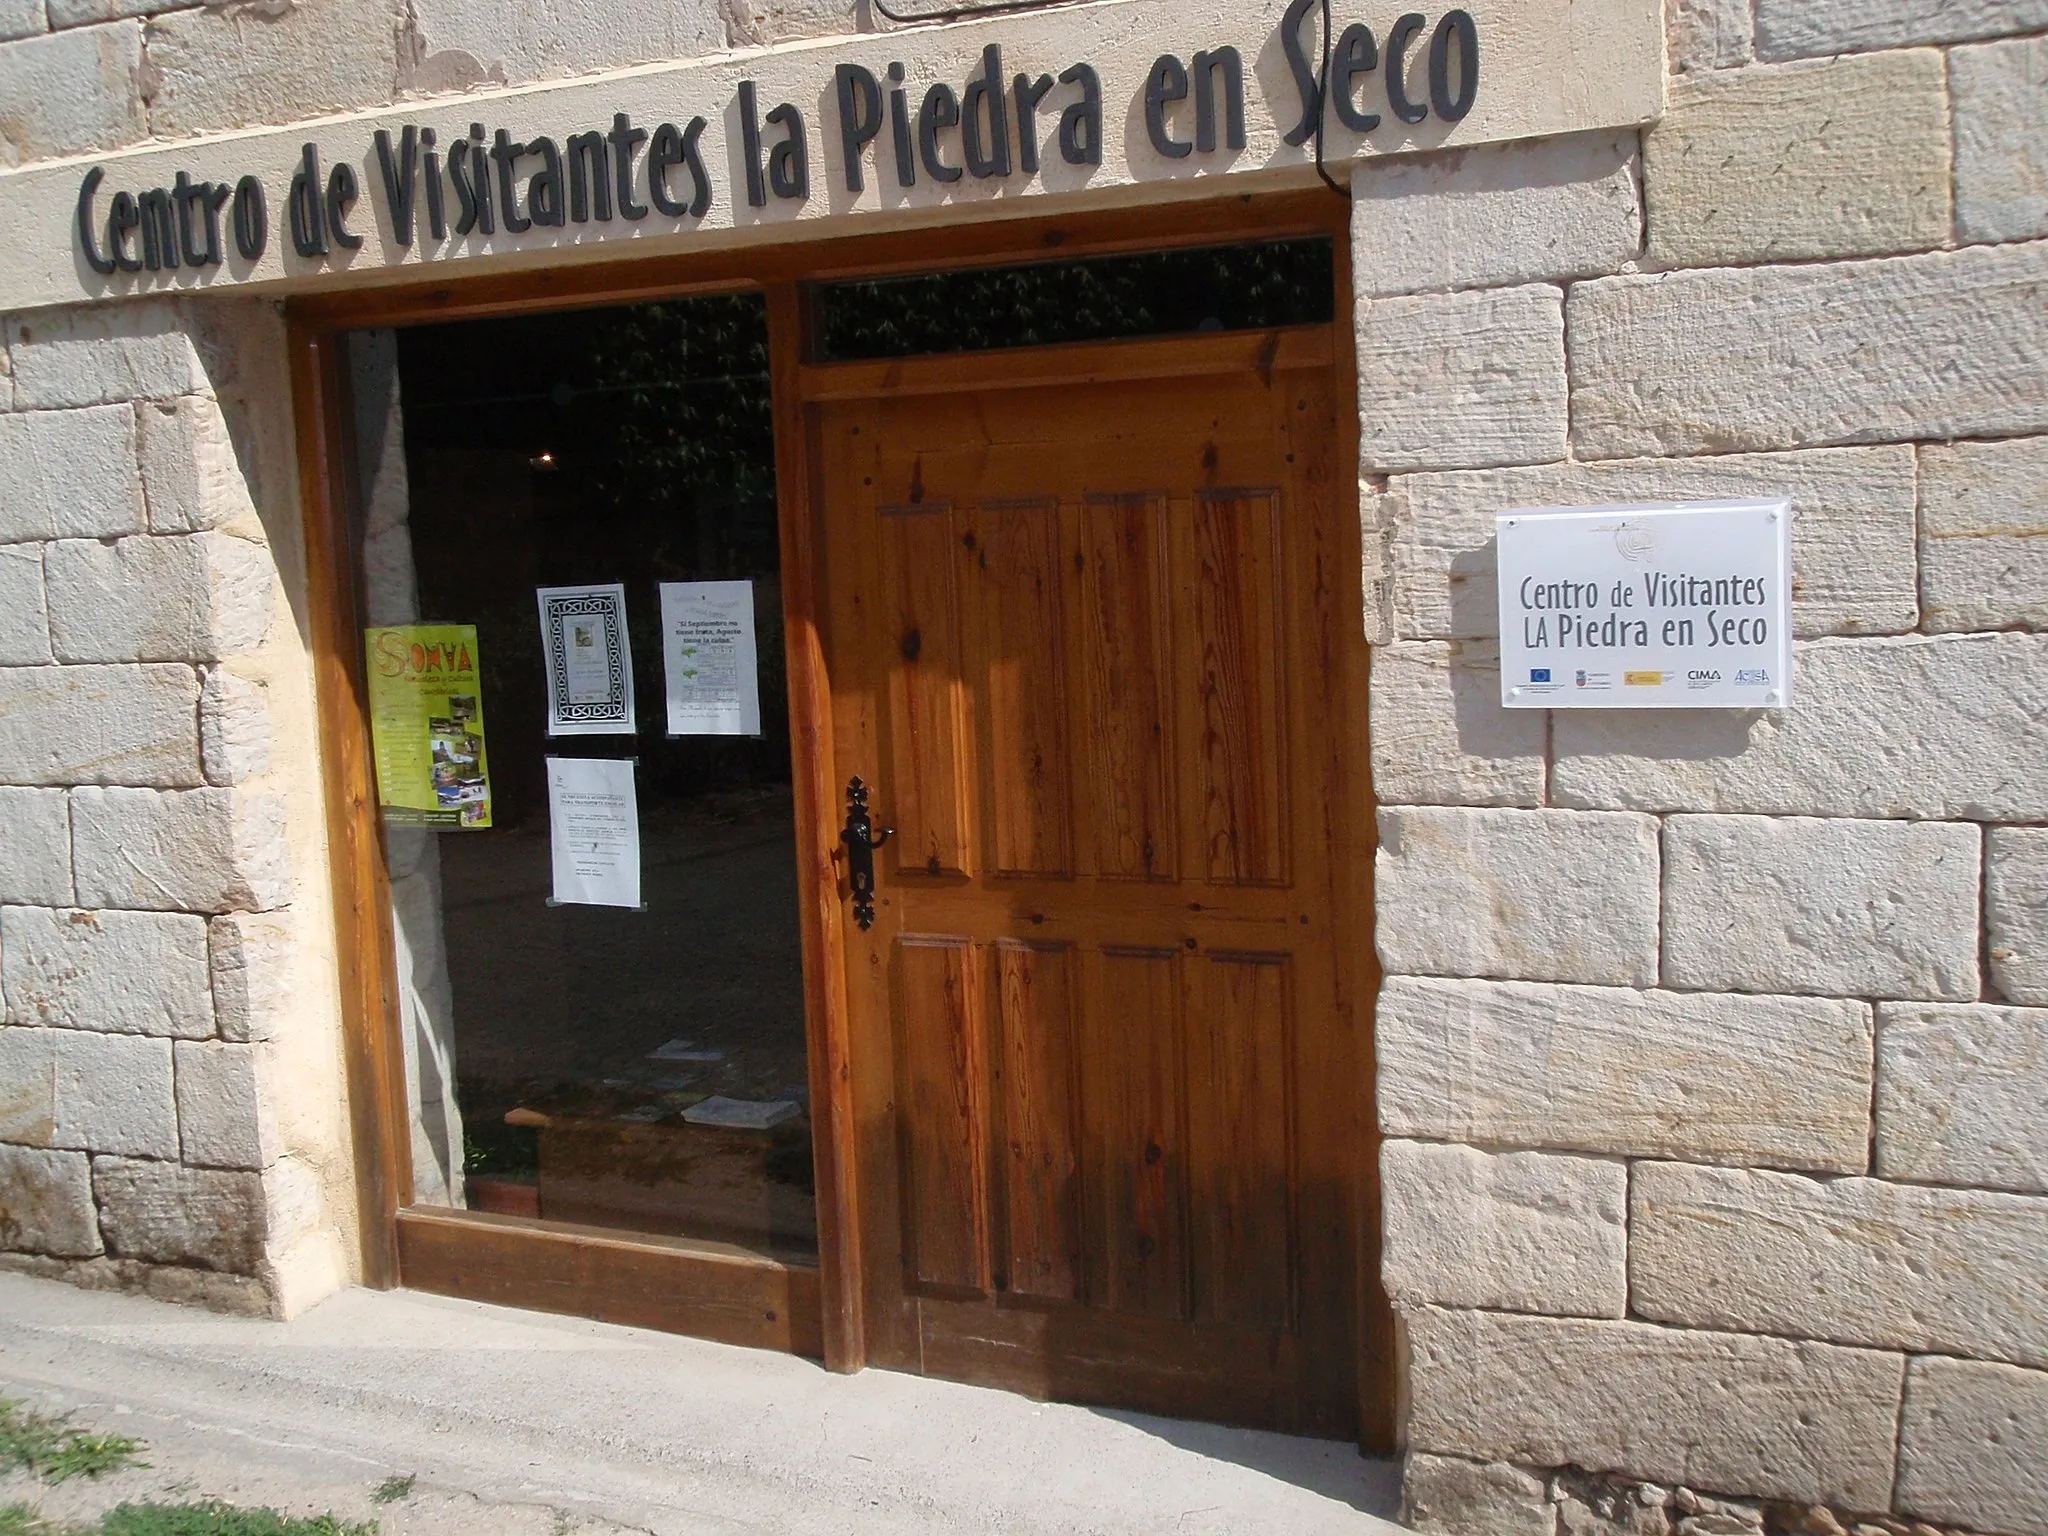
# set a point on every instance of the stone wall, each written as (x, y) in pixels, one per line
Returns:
(171, 1104)
(1714, 1048)
(90, 75)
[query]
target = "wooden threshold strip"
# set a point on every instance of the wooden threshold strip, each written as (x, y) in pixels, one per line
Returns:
(709, 1290)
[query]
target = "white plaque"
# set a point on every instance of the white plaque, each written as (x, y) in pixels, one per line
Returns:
(1673, 605)
(589, 660)
(594, 831)
(707, 648)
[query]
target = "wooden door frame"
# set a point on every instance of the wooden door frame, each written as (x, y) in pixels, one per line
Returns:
(551, 1266)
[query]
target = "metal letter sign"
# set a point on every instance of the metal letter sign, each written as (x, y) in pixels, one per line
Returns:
(1664, 606)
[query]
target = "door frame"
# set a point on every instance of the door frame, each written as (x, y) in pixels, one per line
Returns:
(712, 1290)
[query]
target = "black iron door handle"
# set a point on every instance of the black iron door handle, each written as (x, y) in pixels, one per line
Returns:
(861, 841)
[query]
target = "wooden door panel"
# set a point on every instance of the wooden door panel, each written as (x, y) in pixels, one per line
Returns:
(929, 790)
(941, 1103)
(1039, 1143)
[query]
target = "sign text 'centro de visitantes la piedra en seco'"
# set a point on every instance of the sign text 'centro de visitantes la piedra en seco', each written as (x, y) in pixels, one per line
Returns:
(1672, 605)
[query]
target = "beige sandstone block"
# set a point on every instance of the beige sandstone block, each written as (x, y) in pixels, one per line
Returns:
(1819, 905)
(2001, 115)
(1540, 895)
(124, 973)
(1439, 734)
(1952, 727)
(28, 1086)
(1847, 157)
(454, 44)
(1449, 381)
(99, 725)
(173, 1215)
(70, 93)
(226, 67)
(1853, 569)
(223, 1121)
(82, 13)
(1855, 1261)
(192, 476)
(2016, 911)
(157, 597)
(194, 850)
(112, 1094)
(24, 627)
(1449, 1496)
(1495, 214)
(1973, 1446)
(1706, 34)
(758, 23)
(1710, 1077)
(1984, 532)
(234, 727)
(1512, 1231)
(252, 955)
(1722, 361)
(1793, 29)
(69, 474)
(1959, 1095)
(46, 1203)
(35, 850)
(22, 18)
(99, 353)
(1774, 1417)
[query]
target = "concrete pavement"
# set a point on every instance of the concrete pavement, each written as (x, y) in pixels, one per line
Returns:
(516, 1422)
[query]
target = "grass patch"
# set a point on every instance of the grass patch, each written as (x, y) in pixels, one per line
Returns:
(213, 1518)
(54, 1452)
(390, 1491)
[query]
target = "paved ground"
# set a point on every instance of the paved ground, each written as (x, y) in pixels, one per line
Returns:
(515, 1423)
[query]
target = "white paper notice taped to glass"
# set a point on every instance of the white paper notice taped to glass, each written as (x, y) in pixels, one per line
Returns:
(1671, 605)
(589, 660)
(708, 650)
(594, 831)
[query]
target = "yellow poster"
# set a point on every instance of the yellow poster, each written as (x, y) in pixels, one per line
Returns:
(427, 725)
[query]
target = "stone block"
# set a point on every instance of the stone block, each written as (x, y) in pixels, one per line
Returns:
(113, 1094)
(161, 1212)
(1449, 1496)
(83, 13)
(1954, 727)
(1541, 895)
(234, 727)
(99, 725)
(1821, 905)
(1778, 1417)
(1844, 157)
(24, 627)
(35, 848)
(1799, 29)
(2000, 95)
(1439, 734)
(22, 18)
(1959, 1095)
(99, 353)
(252, 954)
(157, 597)
(222, 1119)
(28, 1086)
(69, 474)
(1973, 1446)
(456, 44)
(1710, 1077)
(2016, 911)
(1984, 532)
(1852, 531)
(1495, 214)
(1706, 34)
(233, 67)
(1942, 345)
(70, 93)
(1462, 380)
(1857, 1261)
(195, 850)
(46, 1203)
(124, 973)
(192, 476)
(1511, 1231)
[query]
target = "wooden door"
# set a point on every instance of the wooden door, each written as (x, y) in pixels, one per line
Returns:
(1093, 632)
